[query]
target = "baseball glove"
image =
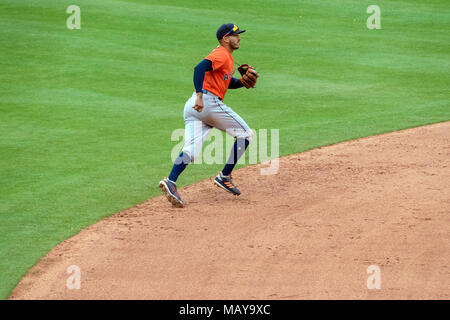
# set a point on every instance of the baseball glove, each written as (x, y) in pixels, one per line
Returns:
(249, 75)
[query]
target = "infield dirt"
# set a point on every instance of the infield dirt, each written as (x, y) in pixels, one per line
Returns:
(308, 232)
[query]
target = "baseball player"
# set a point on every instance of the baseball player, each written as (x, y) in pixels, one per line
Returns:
(205, 109)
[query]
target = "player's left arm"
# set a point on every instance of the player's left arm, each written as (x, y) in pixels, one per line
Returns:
(235, 84)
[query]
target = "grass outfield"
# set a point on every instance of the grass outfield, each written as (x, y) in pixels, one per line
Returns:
(86, 115)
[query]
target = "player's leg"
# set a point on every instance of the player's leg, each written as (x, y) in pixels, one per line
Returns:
(243, 138)
(195, 134)
(225, 119)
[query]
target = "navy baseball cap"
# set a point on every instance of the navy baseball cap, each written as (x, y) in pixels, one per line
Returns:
(227, 29)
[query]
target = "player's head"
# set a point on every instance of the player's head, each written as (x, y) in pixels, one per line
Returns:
(228, 35)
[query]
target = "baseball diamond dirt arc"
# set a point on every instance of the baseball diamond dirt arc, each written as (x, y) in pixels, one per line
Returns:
(232, 309)
(92, 183)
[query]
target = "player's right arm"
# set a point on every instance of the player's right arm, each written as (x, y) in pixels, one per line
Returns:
(199, 76)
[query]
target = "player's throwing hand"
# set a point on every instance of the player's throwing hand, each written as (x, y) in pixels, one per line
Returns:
(198, 102)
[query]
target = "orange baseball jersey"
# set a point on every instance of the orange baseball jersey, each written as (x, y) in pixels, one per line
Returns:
(217, 80)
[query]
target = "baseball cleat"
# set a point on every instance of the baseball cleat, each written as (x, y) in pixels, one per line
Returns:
(226, 183)
(169, 189)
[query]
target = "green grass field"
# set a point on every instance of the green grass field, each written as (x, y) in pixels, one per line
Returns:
(87, 115)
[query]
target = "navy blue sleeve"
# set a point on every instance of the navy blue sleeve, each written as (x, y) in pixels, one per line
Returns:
(235, 84)
(199, 74)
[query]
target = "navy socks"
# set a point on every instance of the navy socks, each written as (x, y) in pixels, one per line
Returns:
(180, 164)
(239, 147)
